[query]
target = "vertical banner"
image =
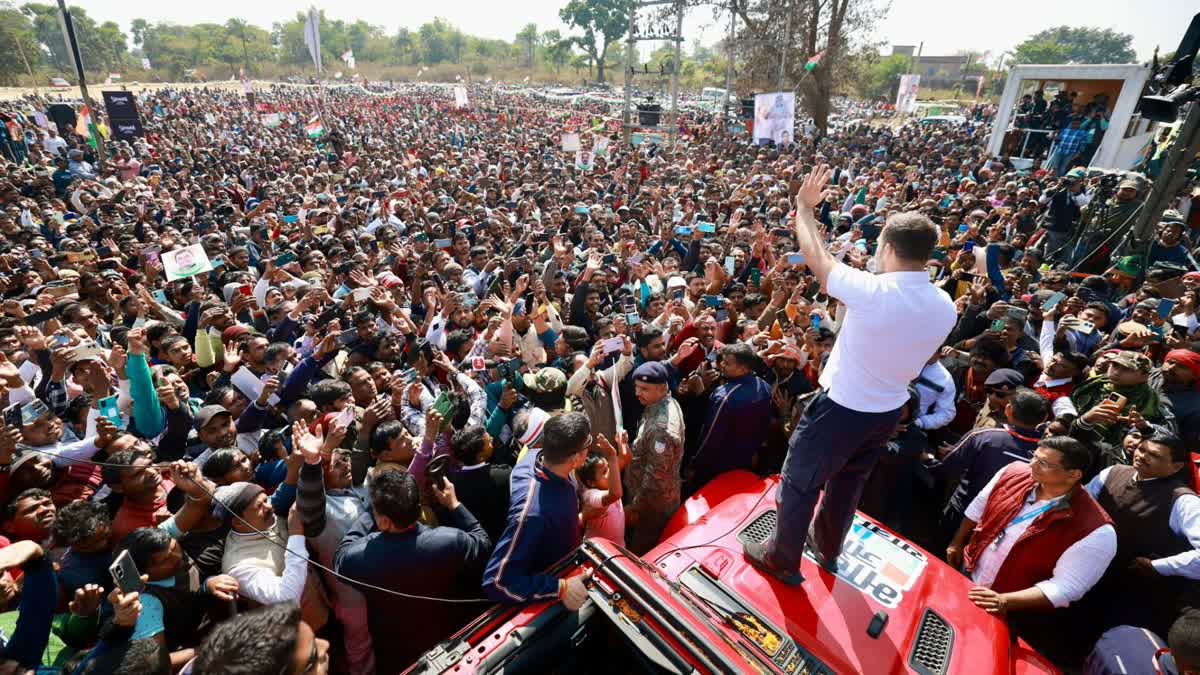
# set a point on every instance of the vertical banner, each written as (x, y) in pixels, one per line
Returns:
(121, 107)
(775, 117)
(906, 97)
(312, 36)
(460, 97)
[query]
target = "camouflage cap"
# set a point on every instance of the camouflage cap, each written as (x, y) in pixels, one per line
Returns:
(1132, 361)
(546, 380)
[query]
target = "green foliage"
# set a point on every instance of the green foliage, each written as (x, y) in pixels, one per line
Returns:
(17, 45)
(221, 50)
(602, 22)
(883, 76)
(1065, 44)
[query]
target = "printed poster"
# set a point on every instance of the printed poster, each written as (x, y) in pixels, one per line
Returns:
(906, 96)
(775, 117)
(182, 263)
(570, 142)
(584, 159)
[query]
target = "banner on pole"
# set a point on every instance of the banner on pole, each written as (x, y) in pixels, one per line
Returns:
(312, 36)
(123, 115)
(906, 97)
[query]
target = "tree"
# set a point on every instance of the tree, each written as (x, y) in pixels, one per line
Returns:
(827, 27)
(602, 22)
(528, 38)
(19, 49)
(560, 53)
(883, 75)
(1065, 44)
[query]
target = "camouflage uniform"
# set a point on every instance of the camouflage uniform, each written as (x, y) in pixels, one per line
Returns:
(653, 481)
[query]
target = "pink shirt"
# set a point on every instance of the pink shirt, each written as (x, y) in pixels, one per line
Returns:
(610, 524)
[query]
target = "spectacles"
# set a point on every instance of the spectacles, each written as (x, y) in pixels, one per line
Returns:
(1038, 461)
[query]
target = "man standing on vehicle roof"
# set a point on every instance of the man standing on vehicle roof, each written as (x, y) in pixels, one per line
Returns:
(846, 428)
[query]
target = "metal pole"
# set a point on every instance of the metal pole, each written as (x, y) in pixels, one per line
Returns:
(675, 68)
(1171, 179)
(783, 48)
(626, 121)
(73, 48)
(729, 45)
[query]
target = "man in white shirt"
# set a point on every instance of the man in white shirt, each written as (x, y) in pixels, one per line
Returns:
(846, 427)
(54, 144)
(1033, 540)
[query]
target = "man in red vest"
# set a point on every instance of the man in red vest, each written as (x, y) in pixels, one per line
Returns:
(1038, 542)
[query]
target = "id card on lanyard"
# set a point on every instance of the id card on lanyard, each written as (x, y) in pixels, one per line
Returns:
(1021, 519)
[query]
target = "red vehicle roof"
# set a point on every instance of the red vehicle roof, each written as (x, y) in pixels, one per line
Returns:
(695, 605)
(879, 573)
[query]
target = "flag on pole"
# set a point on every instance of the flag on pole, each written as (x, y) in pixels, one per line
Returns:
(348, 57)
(979, 86)
(813, 61)
(85, 126)
(312, 36)
(145, 63)
(314, 128)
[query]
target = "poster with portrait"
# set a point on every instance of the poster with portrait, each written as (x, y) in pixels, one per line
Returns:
(906, 96)
(775, 117)
(185, 262)
(583, 160)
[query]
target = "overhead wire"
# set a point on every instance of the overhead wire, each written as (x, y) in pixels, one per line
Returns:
(267, 535)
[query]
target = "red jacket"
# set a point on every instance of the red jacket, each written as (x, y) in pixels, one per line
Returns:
(1033, 556)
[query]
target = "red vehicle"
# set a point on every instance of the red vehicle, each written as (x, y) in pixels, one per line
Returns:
(694, 605)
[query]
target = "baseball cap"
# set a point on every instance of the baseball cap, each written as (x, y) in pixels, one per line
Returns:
(207, 413)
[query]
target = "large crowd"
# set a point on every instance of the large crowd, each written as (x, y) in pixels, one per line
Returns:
(427, 354)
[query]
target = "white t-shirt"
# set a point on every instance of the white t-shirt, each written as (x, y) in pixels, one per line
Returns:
(894, 323)
(611, 524)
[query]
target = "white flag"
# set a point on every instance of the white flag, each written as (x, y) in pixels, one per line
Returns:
(348, 57)
(145, 63)
(312, 36)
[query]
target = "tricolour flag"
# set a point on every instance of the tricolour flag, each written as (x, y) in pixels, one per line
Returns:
(84, 126)
(314, 128)
(813, 61)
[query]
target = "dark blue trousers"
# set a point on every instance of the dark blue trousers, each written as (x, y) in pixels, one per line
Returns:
(835, 448)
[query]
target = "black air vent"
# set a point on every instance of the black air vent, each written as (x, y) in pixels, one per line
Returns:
(934, 644)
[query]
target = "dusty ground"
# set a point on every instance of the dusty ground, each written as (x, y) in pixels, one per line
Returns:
(72, 93)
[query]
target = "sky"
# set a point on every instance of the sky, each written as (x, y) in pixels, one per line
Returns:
(945, 27)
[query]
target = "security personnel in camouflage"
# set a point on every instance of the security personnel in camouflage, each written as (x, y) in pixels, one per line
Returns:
(652, 481)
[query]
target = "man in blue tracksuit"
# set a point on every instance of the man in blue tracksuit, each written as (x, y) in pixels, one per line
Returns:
(543, 519)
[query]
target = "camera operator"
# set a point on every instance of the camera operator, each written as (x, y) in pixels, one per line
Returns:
(1102, 218)
(1063, 204)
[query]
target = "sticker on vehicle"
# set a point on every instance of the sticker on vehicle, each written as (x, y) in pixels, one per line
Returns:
(878, 563)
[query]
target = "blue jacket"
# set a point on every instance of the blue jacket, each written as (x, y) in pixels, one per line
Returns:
(438, 562)
(735, 426)
(978, 456)
(542, 527)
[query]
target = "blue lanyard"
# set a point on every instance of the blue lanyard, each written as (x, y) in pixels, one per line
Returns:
(1020, 519)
